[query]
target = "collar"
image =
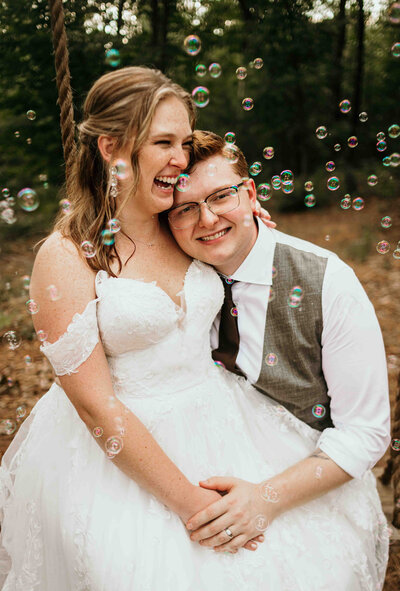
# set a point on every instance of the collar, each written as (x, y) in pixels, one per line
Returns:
(257, 266)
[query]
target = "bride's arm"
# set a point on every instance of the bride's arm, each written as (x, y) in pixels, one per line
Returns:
(90, 389)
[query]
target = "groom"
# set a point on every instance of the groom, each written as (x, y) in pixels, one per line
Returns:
(297, 323)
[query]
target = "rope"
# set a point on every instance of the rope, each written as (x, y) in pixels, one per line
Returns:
(63, 79)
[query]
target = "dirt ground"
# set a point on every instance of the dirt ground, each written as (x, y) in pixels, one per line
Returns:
(25, 375)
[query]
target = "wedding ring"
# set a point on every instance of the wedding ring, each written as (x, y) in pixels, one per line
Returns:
(228, 532)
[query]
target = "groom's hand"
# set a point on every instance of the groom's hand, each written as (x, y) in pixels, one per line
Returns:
(242, 509)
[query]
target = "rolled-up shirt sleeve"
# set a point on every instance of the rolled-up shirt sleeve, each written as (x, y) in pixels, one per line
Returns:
(354, 366)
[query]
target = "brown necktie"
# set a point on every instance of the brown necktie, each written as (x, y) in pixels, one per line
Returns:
(228, 347)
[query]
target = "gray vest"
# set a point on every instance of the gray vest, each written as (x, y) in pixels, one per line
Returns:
(291, 371)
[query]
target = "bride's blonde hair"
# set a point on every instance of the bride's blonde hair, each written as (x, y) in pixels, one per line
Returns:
(120, 104)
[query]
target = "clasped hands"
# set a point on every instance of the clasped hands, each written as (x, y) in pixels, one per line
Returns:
(241, 509)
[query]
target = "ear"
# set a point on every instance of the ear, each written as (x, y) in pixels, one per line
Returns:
(106, 145)
(252, 193)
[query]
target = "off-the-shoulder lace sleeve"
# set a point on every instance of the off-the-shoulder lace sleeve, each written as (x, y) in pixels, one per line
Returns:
(76, 344)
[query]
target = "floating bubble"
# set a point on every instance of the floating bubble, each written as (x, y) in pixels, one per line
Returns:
(318, 472)
(234, 311)
(31, 115)
(113, 58)
(394, 131)
(241, 73)
(271, 359)
(98, 432)
(8, 427)
(264, 192)
(333, 183)
(88, 249)
(319, 411)
(12, 339)
(65, 205)
(310, 200)
(28, 199)
(20, 411)
(383, 247)
(220, 364)
(114, 225)
(287, 187)
(321, 132)
(358, 203)
(10, 201)
(107, 237)
(201, 96)
(308, 185)
(337, 147)
(276, 182)
(26, 281)
(8, 215)
(286, 176)
(345, 106)
(395, 49)
(268, 492)
(41, 335)
(192, 45)
(295, 296)
(258, 63)
(352, 141)
(346, 202)
(183, 182)
(260, 522)
(395, 159)
(274, 272)
(114, 445)
(255, 168)
(381, 146)
(394, 13)
(228, 280)
(5, 192)
(230, 137)
(247, 220)
(28, 360)
(386, 161)
(363, 117)
(380, 136)
(17, 134)
(215, 70)
(54, 294)
(268, 152)
(32, 306)
(201, 70)
(386, 221)
(29, 140)
(327, 237)
(330, 166)
(247, 104)
(372, 180)
(121, 169)
(396, 253)
(395, 444)
(211, 170)
(10, 382)
(231, 153)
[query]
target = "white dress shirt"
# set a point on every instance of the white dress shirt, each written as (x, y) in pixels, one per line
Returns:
(353, 354)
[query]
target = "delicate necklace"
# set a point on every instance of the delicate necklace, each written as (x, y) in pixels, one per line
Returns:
(149, 244)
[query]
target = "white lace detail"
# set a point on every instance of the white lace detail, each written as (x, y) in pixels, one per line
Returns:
(76, 344)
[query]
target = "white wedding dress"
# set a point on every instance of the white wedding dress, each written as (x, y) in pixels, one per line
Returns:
(72, 521)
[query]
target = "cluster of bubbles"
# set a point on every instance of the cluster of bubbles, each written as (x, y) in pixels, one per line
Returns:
(214, 69)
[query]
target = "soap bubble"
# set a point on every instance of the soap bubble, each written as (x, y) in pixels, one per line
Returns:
(310, 200)
(386, 161)
(5, 192)
(396, 253)
(363, 117)
(192, 45)
(287, 187)
(260, 522)
(333, 183)
(394, 131)
(308, 185)
(114, 445)
(395, 444)
(215, 70)
(98, 432)
(268, 492)
(358, 203)
(319, 411)
(32, 306)
(264, 192)
(271, 359)
(241, 73)
(54, 294)
(8, 427)
(183, 182)
(372, 180)
(345, 106)
(211, 169)
(201, 96)
(28, 199)
(114, 225)
(268, 152)
(295, 296)
(321, 132)
(20, 411)
(258, 63)
(220, 364)
(330, 166)
(337, 147)
(380, 136)
(346, 202)
(107, 237)
(230, 137)
(394, 13)
(395, 49)
(247, 104)
(231, 153)
(255, 168)
(26, 281)
(65, 205)
(31, 115)
(8, 216)
(113, 58)
(41, 335)
(286, 176)
(352, 141)
(381, 146)
(17, 134)
(386, 221)
(276, 182)
(28, 360)
(88, 249)
(201, 70)
(12, 339)
(395, 159)
(383, 247)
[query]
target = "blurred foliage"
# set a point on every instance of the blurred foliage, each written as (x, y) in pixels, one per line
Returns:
(293, 92)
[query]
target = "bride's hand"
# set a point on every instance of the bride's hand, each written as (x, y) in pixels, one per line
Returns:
(263, 215)
(201, 499)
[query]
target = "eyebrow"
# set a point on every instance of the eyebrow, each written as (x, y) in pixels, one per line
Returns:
(168, 134)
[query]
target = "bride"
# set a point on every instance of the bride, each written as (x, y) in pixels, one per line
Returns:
(99, 482)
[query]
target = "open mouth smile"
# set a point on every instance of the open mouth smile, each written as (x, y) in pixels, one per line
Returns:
(167, 183)
(215, 236)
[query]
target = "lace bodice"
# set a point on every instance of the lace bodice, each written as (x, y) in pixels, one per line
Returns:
(152, 345)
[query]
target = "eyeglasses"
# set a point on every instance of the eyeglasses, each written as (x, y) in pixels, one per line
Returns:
(188, 214)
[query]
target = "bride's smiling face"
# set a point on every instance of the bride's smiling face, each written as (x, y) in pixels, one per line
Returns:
(164, 155)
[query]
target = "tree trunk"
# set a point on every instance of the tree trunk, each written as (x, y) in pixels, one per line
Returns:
(164, 35)
(119, 20)
(359, 73)
(338, 60)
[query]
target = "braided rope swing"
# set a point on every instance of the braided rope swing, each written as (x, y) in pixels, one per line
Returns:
(63, 79)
